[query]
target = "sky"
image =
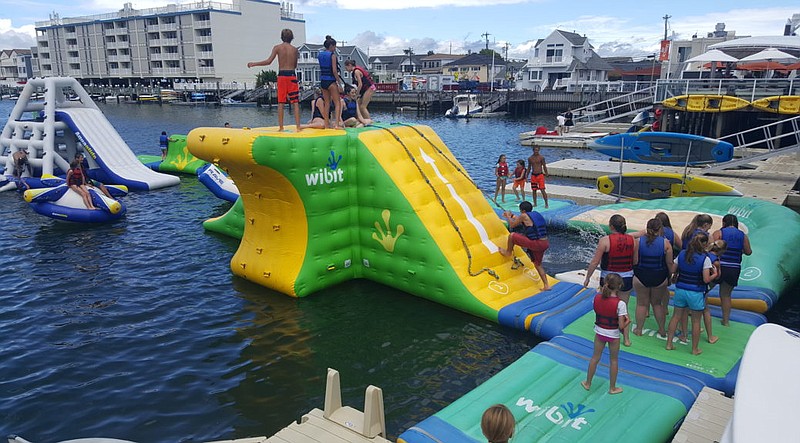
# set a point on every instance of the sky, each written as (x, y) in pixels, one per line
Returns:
(386, 27)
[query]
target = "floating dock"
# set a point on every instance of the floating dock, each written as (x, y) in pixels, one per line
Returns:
(707, 418)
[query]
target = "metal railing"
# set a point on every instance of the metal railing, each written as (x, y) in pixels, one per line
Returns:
(749, 89)
(614, 108)
(761, 143)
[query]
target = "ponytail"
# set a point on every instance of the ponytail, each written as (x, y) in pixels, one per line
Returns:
(696, 246)
(653, 230)
(618, 223)
(612, 283)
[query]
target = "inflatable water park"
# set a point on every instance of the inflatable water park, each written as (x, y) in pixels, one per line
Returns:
(391, 203)
(48, 133)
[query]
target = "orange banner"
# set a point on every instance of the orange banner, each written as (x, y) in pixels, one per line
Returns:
(664, 54)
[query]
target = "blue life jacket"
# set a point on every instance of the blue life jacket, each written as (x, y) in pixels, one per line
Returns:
(163, 141)
(651, 256)
(349, 110)
(538, 229)
(669, 234)
(688, 239)
(326, 65)
(732, 257)
(690, 275)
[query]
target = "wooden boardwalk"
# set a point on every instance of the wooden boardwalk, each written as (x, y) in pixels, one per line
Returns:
(707, 419)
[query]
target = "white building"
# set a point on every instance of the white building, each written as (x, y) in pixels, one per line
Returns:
(15, 66)
(204, 41)
(563, 60)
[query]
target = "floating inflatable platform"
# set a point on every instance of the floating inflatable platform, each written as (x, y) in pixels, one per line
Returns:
(178, 160)
(62, 203)
(218, 182)
(544, 393)
(706, 103)
(664, 148)
(389, 203)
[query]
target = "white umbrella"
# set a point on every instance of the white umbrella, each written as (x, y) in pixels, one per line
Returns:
(769, 54)
(714, 55)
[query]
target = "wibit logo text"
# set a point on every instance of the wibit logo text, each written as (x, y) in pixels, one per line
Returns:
(570, 417)
(331, 174)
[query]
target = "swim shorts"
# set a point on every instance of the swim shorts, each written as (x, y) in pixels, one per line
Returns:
(365, 89)
(535, 248)
(537, 181)
(696, 301)
(651, 278)
(288, 88)
(325, 84)
(730, 275)
(519, 184)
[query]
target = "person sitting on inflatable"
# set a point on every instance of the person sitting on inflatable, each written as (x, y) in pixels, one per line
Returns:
(76, 181)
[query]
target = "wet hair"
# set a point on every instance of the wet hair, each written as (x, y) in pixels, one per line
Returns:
(521, 162)
(497, 424)
(618, 223)
(730, 220)
(287, 35)
(349, 62)
(697, 221)
(696, 246)
(347, 88)
(611, 282)
(163, 132)
(717, 247)
(526, 206)
(653, 230)
(329, 41)
(664, 219)
(74, 164)
(500, 158)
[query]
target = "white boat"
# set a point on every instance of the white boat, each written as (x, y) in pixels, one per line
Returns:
(464, 105)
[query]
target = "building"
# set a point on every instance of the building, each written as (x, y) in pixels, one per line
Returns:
(203, 41)
(308, 65)
(628, 70)
(477, 67)
(682, 50)
(393, 68)
(432, 64)
(563, 60)
(15, 66)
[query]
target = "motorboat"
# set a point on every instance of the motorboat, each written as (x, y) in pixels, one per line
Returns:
(464, 105)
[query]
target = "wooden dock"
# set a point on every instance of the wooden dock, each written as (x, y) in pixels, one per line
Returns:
(707, 418)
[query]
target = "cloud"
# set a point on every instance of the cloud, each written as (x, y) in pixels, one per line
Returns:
(16, 38)
(362, 5)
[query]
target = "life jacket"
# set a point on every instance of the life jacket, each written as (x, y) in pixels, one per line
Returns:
(502, 168)
(366, 80)
(349, 110)
(688, 239)
(519, 172)
(538, 229)
(77, 177)
(163, 141)
(605, 312)
(732, 257)
(690, 275)
(669, 234)
(651, 256)
(619, 257)
(326, 65)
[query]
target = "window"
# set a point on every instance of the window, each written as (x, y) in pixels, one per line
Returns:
(555, 53)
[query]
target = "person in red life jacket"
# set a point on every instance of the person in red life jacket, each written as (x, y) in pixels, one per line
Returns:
(695, 272)
(364, 84)
(618, 253)
(76, 181)
(731, 261)
(651, 276)
(533, 238)
(501, 172)
(520, 174)
(611, 316)
(537, 170)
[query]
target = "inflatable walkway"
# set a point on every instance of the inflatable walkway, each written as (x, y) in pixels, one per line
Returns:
(59, 128)
(389, 204)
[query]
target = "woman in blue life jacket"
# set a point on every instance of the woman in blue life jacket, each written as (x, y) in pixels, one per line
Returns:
(330, 81)
(533, 238)
(694, 273)
(351, 112)
(737, 244)
(700, 224)
(651, 276)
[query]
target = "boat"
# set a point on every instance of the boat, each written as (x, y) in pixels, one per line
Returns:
(664, 148)
(464, 105)
(652, 185)
(767, 387)
(780, 104)
(706, 103)
(542, 137)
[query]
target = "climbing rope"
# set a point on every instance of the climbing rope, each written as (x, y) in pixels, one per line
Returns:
(441, 203)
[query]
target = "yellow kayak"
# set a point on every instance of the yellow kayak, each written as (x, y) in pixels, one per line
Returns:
(652, 185)
(706, 103)
(780, 104)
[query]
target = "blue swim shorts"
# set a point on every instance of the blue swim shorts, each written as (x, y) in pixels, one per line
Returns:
(696, 301)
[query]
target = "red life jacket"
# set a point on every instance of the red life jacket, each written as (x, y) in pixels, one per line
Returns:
(619, 257)
(605, 310)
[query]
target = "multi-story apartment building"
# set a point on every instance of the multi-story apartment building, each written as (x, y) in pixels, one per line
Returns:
(205, 41)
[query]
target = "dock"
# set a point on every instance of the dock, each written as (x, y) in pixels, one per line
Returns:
(707, 418)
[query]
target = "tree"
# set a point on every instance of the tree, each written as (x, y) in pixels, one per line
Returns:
(430, 52)
(264, 77)
(489, 52)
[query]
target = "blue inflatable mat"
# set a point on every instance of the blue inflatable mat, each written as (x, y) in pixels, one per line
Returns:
(549, 304)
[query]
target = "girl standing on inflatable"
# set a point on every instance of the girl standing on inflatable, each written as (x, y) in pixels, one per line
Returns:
(330, 81)
(651, 276)
(617, 253)
(364, 84)
(700, 224)
(520, 175)
(611, 316)
(695, 272)
(731, 261)
(77, 182)
(501, 172)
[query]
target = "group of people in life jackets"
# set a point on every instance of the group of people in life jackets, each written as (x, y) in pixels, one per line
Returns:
(648, 261)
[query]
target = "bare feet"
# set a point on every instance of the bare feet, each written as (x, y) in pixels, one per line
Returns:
(713, 339)
(697, 351)
(637, 332)
(505, 253)
(586, 385)
(627, 343)
(725, 323)
(545, 288)
(670, 347)
(614, 390)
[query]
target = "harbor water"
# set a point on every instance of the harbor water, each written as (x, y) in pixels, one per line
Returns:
(138, 330)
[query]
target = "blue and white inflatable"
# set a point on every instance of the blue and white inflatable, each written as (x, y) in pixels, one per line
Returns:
(62, 203)
(218, 182)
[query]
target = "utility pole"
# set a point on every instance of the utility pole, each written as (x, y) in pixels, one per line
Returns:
(486, 36)
(666, 19)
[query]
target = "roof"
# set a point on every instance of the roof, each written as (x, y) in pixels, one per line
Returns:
(442, 57)
(575, 39)
(594, 63)
(476, 59)
(394, 59)
(742, 47)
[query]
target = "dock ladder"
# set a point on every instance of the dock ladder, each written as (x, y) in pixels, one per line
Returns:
(614, 108)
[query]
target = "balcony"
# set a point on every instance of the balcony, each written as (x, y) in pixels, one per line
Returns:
(202, 24)
(72, 47)
(41, 38)
(119, 71)
(202, 39)
(116, 45)
(168, 41)
(116, 31)
(167, 71)
(205, 54)
(119, 58)
(163, 27)
(73, 59)
(73, 72)
(205, 70)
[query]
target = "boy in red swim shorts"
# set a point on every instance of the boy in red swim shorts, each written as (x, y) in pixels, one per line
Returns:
(288, 88)
(537, 168)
